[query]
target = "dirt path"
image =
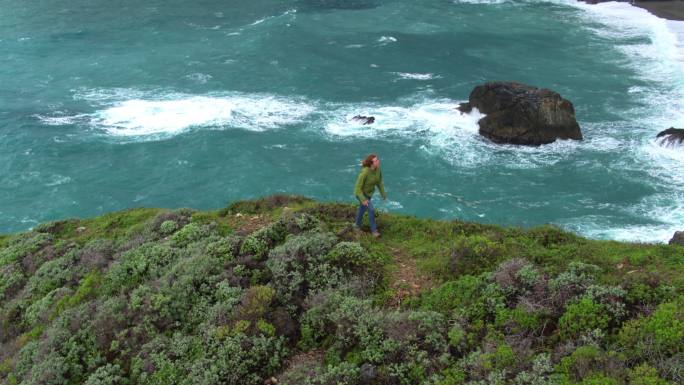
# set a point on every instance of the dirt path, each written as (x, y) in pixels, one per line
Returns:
(407, 281)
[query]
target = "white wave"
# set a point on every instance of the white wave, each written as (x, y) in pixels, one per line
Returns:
(445, 131)
(147, 117)
(480, 1)
(198, 78)
(60, 120)
(661, 59)
(56, 180)
(415, 76)
(622, 21)
(435, 116)
(109, 95)
(133, 113)
(655, 48)
(669, 159)
(286, 13)
(665, 211)
(635, 233)
(387, 39)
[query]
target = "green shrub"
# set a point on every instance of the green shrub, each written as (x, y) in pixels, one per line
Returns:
(520, 321)
(189, 288)
(256, 302)
(645, 375)
(261, 241)
(539, 374)
(192, 232)
(52, 369)
(22, 246)
(582, 363)
(11, 279)
(451, 376)
(600, 379)
(168, 227)
(223, 248)
(641, 296)
(107, 375)
(666, 327)
(54, 274)
(87, 289)
(474, 254)
(348, 254)
(342, 374)
(469, 296)
(502, 358)
(582, 317)
(135, 266)
(610, 297)
(296, 265)
(265, 328)
(228, 294)
(572, 283)
(660, 334)
(451, 295)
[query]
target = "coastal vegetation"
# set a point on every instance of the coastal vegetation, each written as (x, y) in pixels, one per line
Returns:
(282, 290)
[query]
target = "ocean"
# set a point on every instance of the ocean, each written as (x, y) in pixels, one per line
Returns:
(110, 105)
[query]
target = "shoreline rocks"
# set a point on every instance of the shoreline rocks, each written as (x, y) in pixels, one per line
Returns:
(671, 137)
(677, 238)
(522, 114)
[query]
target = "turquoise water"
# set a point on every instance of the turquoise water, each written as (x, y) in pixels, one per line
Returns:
(110, 105)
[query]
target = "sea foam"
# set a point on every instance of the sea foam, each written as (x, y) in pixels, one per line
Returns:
(133, 113)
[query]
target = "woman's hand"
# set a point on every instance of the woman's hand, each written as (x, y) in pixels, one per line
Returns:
(365, 203)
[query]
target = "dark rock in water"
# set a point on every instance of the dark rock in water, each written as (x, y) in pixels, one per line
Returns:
(368, 373)
(364, 119)
(677, 238)
(671, 137)
(522, 114)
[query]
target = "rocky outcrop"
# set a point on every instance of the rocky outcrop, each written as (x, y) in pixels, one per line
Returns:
(522, 114)
(677, 238)
(671, 137)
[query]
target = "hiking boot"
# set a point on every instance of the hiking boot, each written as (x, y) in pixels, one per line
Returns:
(376, 234)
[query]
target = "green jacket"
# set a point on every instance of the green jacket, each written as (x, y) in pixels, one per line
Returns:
(366, 182)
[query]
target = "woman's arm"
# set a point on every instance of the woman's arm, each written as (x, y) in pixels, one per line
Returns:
(381, 186)
(359, 185)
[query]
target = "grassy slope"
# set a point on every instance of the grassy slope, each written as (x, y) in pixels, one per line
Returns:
(417, 260)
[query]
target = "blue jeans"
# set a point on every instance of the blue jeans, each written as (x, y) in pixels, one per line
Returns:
(371, 215)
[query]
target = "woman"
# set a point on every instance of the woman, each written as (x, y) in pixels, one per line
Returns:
(369, 177)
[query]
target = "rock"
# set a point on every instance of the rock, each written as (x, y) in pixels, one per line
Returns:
(365, 119)
(671, 137)
(677, 238)
(368, 373)
(522, 114)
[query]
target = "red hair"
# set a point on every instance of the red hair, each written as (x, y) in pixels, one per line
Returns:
(369, 160)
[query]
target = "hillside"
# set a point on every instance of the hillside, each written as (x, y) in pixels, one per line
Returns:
(282, 290)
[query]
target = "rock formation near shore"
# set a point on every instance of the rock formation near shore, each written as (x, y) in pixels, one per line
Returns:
(677, 238)
(671, 137)
(522, 114)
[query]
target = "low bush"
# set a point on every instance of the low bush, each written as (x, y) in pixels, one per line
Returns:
(581, 318)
